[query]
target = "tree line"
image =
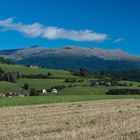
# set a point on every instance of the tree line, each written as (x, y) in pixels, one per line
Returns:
(37, 76)
(130, 75)
(123, 92)
(9, 76)
(5, 61)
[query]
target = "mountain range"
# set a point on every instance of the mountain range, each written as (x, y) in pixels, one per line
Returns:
(73, 57)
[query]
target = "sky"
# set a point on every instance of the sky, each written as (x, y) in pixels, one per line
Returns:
(107, 24)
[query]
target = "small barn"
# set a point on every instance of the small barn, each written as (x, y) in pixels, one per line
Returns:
(108, 84)
(54, 91)
(33, 66)
(44, 91)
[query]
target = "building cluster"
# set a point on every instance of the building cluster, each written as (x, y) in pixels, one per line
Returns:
(102, 83)
(14, 94)
(11, 94)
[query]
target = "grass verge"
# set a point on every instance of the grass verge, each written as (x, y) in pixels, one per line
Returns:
(18, 101)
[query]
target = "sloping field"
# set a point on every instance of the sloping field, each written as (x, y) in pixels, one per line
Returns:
(24, 70)
(98, 120)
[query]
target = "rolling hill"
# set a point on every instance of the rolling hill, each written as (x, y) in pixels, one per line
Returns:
(72, 92)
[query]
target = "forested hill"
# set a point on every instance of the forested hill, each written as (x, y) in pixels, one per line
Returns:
(71, 58)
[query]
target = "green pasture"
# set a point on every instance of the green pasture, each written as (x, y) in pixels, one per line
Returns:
(80, 91)
(25, 70)
(34, 100)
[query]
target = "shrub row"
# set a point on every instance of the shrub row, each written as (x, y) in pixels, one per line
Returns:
(37, 76)
(72, 80)
(123, 91)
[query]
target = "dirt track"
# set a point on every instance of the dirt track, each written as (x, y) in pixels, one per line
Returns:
(97, 120)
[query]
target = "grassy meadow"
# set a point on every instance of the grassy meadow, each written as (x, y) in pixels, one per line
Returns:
(80, 91)
(9, 87)
(25, 70)
(34, 100)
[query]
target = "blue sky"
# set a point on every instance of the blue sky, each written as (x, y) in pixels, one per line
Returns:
(105, 24)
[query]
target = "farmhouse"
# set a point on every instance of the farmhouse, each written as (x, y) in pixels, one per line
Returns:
(108, 84)
(44, 91)
(33, 66)
(54, 91)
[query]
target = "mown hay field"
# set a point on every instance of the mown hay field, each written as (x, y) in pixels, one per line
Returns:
(98, 120)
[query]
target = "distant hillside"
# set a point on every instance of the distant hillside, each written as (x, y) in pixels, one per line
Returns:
(70, 57)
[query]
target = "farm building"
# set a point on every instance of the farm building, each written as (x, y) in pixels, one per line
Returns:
(97, 83)
(54, 91)
(33, 66)
(44, 91)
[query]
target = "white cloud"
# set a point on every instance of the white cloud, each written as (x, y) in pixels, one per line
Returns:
(118, 40)
(51, 32)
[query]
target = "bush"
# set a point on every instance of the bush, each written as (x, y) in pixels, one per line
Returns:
(70, 80)
(33, 92)
(80, 80)
(82, 72)
(67, 80)
(37, 76)
(69, 85)
(130, 84)
(26, 86)
(123, 92)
